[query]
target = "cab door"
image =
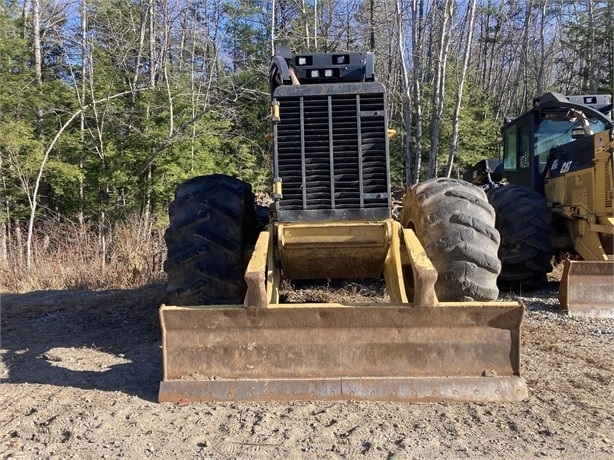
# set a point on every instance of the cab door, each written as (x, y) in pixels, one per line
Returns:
(518, 138)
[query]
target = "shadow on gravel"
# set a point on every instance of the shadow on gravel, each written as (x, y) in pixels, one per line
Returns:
(103, 340)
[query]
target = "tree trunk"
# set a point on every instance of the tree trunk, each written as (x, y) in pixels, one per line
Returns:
(84, 61)
(417, 50)
(272, 27)
(591, 85)
(3, 244)
(24, 18)
(38, 80)
(524, 63)
(152, 44)
(3, 222)
(38, 61)
(543, 55)
(459, 92)
(439, 87)
(407, 102)
(18, 259)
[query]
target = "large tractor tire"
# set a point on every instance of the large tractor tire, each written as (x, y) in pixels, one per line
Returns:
(525, 225)
(212, 223)
(455, 224)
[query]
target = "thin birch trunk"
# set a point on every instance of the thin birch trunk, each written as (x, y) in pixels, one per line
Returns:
(407, 103)
(152, 45)
(272, 27)
(38, 61)
(459, 93)
(84, 60)
(417, 44)
(439, 87)
(6, 219)
(38, 76)
(524, 63)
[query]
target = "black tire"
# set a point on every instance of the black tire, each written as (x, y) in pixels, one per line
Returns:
(455, 224)
(212, 221)
(524, 222)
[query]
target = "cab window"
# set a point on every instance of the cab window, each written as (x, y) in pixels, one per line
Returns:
(524, 151)
(510, 150)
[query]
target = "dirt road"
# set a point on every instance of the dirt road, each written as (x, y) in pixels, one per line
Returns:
(80, 372)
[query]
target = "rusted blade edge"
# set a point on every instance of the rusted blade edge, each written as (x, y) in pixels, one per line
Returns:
(591, 311)
(587, 289)
(408, 389)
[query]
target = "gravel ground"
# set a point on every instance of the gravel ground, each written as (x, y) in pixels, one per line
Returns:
(80, 372)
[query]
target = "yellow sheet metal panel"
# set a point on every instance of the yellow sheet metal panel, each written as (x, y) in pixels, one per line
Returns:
(336, 250)
(393, 268)
(604, 148)
(255, 275)
(273, 274)
(424, 273)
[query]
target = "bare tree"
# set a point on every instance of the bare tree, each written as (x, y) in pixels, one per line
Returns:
(38, 61)
(440, 83)
(3, 208)
(33, 197)
(461, 83)
(417, 42)
(273, 24)
(81, 91)
(408, 157)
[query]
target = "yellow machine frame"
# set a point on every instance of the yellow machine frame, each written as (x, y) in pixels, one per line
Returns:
(583, 199)
(423, 350)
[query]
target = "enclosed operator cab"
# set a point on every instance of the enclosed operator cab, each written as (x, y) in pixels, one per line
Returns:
(554, 138)
(563, 149)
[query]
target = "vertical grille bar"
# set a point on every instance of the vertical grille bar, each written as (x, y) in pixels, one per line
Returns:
(361, 188)
(303, 169)
(331, 150)
(608, 183)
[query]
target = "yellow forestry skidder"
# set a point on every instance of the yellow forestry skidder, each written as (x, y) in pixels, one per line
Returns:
(442, 336)
(552, 194)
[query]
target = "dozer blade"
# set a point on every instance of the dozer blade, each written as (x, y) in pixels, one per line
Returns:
(451, 352)
(587, 288)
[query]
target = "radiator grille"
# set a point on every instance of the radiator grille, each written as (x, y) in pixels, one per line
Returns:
(331, 152)
(608, 183)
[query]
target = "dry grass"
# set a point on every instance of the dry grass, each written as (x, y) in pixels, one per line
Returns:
(67, 257)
